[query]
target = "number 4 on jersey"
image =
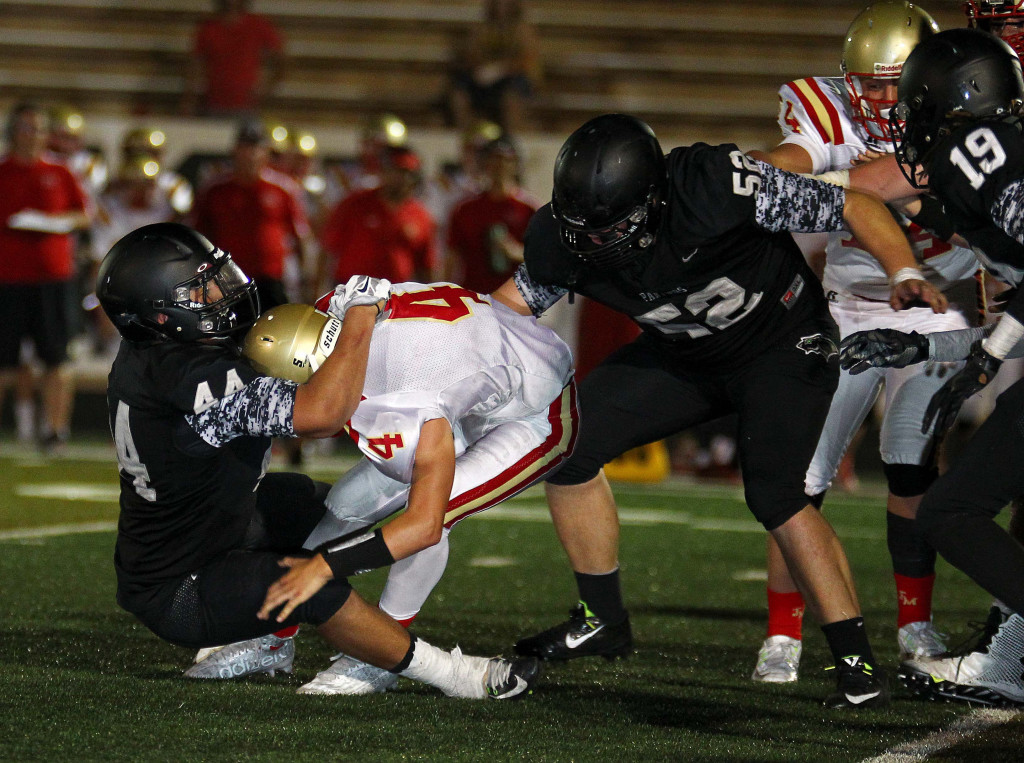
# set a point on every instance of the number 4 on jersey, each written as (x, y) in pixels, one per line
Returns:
(128, 454)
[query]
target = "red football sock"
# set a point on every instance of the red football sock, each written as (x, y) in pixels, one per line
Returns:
(913, 598)
(406, 622)
(785, 614)
(288, 632)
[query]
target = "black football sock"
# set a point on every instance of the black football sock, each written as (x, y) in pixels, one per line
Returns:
(910, 552)
(602, 595)
(847, 638)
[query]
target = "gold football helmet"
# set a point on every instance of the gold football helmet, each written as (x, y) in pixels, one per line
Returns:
(291, 341)
(877, 43)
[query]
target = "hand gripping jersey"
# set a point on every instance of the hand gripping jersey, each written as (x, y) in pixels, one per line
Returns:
(447, 352)
(815, 115)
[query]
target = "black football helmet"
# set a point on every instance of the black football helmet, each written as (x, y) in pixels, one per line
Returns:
(953, 77)
(167, 269)
(610, 184)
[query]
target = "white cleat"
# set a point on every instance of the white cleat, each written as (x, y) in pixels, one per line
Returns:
(992, 673)
(920, 639)
(266, 654)
(350, 676)
(778, 661)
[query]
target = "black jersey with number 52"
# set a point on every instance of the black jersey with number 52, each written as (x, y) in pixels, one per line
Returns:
(723, 280)
(976, 174)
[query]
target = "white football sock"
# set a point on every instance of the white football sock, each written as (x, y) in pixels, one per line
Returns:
(454, 673)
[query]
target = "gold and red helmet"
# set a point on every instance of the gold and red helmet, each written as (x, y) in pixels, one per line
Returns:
(1003, 18)
(291, 341)
(877, 43)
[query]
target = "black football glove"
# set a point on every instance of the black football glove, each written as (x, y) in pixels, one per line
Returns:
(881, 348)
(981, 368)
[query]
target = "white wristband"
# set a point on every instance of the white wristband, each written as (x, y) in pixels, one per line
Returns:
(835, 177)
(1004, 338)
(905, 274)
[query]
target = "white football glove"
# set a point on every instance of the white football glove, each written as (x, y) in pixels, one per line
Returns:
(358, 290)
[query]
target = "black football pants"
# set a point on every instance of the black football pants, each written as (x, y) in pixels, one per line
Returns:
(957, 513)
(641, 393)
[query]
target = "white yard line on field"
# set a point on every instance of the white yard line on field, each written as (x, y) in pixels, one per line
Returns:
(55, 530)
(963, 728)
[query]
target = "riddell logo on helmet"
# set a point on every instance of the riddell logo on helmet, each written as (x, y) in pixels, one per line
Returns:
(886, 70)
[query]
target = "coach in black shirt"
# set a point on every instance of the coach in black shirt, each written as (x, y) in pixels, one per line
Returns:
(696, 248)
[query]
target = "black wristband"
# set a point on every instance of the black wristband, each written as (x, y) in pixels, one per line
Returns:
(354, 555)
(933, 217)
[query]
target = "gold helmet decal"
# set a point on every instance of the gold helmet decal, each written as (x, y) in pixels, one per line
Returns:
(291, 341)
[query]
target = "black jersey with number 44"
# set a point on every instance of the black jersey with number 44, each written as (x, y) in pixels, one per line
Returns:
(183, 501)
(723, 280)
(975, 173)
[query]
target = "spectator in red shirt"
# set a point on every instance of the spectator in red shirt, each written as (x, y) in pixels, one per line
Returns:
(237, 57)
(384, 231)
(485, 231)
(256, 214)
(41, 205)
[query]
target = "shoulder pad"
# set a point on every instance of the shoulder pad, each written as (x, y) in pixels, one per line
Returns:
(807, 108)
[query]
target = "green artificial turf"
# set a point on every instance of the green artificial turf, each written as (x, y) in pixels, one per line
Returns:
(80, 679)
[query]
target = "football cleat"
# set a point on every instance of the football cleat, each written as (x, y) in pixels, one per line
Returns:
(858, 685)
(584, 634)
(348, 675)
(472, 677)
(511, 679)
(988, 672)
(266, 654)
(778, 661)
(920, 639)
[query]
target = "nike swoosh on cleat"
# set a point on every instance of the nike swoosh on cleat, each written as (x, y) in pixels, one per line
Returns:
(519, 688)
(856, 699)
(574, 641)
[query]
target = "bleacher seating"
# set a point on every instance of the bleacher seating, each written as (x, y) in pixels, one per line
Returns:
(686, 65)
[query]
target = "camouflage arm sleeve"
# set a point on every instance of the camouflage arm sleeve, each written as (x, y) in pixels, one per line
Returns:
(790, 202)
(1008, 211)
(538, 297)
(262, 408)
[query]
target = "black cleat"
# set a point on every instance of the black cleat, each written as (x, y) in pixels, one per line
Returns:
(859, 685)
(511, 679)
(584, 634)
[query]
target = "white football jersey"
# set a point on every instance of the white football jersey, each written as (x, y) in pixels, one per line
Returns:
(815, 115)
(447, 352)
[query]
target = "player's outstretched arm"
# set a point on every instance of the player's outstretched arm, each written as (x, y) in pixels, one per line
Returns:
(329, 398)
(882, 348)
(874, 227)
(417, 528)
(433, 474)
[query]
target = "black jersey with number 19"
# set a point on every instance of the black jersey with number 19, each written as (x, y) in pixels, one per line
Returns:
(970, 173)
(723, 280)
